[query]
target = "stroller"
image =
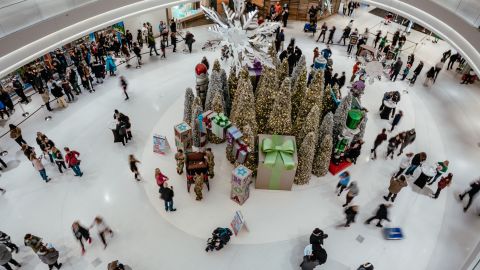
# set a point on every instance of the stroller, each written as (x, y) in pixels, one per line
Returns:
(308, 27)
(220, 238)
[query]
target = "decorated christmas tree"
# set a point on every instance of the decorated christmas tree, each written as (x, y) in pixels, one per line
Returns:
(217, 106)
(249, 139)
(282, 71)
(298, 69)
(340, 117)
(214, 85)
(232, 87)
(280, 121)
(305, 160)
(196, 132)
(197, 101)
(272, 52)
(311, 124)
(299, 89)
(313, 97)
(243, 113)
(323, 151)
(328, 101)
(267, 92)
(187, 107)
(226, 93)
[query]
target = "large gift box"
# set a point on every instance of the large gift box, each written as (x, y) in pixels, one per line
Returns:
(183, 136)
(233, 134)
(220, 123)
(277, 162)
(241, 179)
(205, 120)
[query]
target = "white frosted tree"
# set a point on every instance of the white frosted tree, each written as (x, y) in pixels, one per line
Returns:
(323, 151)
(187, 105)
(299, 89)
(311, 124)
(214, 85)
(340, 117)
(305, 160)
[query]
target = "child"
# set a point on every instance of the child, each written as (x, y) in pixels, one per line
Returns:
(81, 232)
(343, 183)
(406, 70)
(133, 166)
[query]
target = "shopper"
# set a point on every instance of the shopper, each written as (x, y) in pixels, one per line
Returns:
(343, 183)
(48, 145)
(316, 240)
(180, 160)
(354, 151)
(382, 214)
(132, 161)
(72, 160)
(442, 167)
(6, 258)
(49, 256)
(396, 120)
(366, 266)
(167, 195)
(98, 70)
(173, 41)
(162, 48)
(417, 160)
(58, 157)
(341, 81)
(410, 137)
(37, 164)
(378, 36)
(189, 40)
(73, 79)
(331, 33)
(378, 141)
(350, 213)
(309, 262)
(396, 185)
(46, 99)
(110, 65)
(404, 164)
(430, 77)
(352, 193)
(80, 232)
(57, 92)
(137, 51)
(438, 68)
(102, 229)
(18, 88)
(416, 72)
(443, 183)
(5, 240)
(452, 60)
(160, 178)
(472, 192)
(67, 89)
(32, 241)
(124, 84)
(323, 31)
(16, 134)
(406, 70)
(140, 38)
(393, 143)
(355, 69)
(397, 66)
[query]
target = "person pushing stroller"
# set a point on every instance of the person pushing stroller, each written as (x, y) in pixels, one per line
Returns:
(219, 239)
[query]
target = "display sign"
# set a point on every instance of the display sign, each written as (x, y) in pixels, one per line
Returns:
(238, 223)
(160, 144)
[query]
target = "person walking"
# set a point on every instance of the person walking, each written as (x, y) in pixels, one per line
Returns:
(430, 77)
(167, 196)
(102, 229)
(132, 161)
(72, 160)
(180, 160)
(285, 14)
(37, 164)
(5, 240)
(396, 120)
(49, 256)
(410, 137)
(331, 33)
(6, 258)
(406, 70)
(443, 183)
(58, 158)
(442, 167)
(189, 40)
(124, 84)
(32, 241)
(397, 66)
(279, 40)
(452, 60)
(173, 41)
(316, 240)
(378, 36)
(162, 49)
(341, 81)
(417, 160)
(438, 68)
(393, 143)
(378, 141)
(396, 185)
(323, 32)
(355, 69)
(472, 191)
(381, 214)
(57, 92)
(352, 193)
(138, 53)
(16, 134)
(404, 164)
(343, 183)
(416, 72)
(350, 213)
(80, 233)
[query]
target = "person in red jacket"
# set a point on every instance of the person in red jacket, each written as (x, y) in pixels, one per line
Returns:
(443, 183)
(72, 161)
(355, 69)
(161, 179)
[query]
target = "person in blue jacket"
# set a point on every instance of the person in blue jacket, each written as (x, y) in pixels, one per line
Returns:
(110, 65)
(344, 181)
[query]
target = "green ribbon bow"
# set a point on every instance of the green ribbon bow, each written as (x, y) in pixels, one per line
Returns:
(221, 120)
(275, 151)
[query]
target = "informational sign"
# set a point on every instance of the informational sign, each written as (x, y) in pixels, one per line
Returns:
(238, 223)
(160, 144)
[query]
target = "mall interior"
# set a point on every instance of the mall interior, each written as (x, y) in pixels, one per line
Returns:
(232, 134)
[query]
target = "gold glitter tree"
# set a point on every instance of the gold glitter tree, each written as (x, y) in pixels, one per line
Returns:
(266, 94)
(196, 132)
(282, 71)
(299, 89)
(249, 139)
(187, 105)
(323, 151)
(280, 121)
(305, 160)
(232, 87)
(312, 97)
(217, 106)
(328, 104)
(311, 124)
(298, 69)
(272, 52)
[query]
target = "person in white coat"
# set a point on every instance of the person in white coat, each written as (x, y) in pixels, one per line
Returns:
(404, 163)
(102, 229)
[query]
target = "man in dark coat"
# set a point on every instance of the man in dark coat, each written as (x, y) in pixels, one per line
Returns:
(416, 72)
(396, 69)
(382, 213)
(18, 88)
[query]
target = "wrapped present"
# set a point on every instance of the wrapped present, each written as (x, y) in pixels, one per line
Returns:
(220, 123)
(203, 139)
(354, 117)
(233, 134)
(183, 136)
(277, 162)
(241, 179)
(204, 120)
(240, 151)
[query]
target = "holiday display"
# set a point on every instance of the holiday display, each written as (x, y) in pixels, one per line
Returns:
(311, 124)
(282, 71)
(241, 114)
(340, 117)
(220, 124)
(361, 127)
(183, 136)
(240, 32)
(349, 131)
(197, 133)
(205, 121)
(232, 87)
(280, 122)
(233, 134)
(329, 100)
(266, 94)
(324, 147)
(196, 165)
(241, 179)
(247, 139)
(298, 69)
(305, 159)
(277, 162)
(214, 86)
(299, 89)
(201, 73)
(187, 111)
(218, 108)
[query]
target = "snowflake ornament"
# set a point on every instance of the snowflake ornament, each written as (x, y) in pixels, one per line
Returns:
(240, 37)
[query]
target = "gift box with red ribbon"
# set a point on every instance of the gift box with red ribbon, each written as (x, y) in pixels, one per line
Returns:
(205, 120)
(240, 151)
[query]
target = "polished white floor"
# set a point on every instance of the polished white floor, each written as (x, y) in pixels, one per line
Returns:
(438, 234)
